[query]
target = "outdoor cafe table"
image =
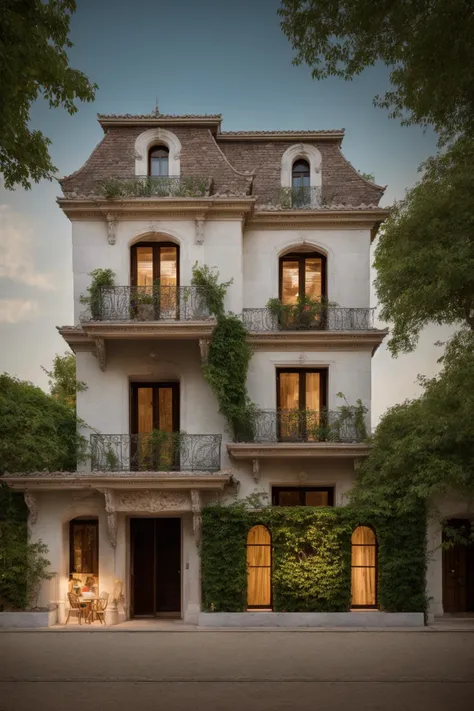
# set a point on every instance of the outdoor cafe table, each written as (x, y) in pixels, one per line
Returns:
(89, 615)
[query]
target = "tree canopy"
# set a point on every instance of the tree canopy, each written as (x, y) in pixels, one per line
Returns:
(425, 256)
(34, 63)
(428, 46)
(63, 384)
(424, 448)
(37, 431)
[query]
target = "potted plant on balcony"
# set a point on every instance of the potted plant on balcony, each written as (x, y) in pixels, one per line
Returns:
(307, 313)
(101, 278)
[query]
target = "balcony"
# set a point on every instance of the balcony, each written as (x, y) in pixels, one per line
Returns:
(329, 319)
(148, 303)
(155, 452)
(301, 433)
(300, 198)
(154, 187)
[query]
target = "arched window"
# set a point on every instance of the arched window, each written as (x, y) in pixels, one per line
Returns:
(158, 161)
(364, 567)
(259, 565)
(300, 184)
(155, 262)
(302, 274)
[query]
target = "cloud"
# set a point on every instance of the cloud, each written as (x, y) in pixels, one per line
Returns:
(17, 254)
(15, 310)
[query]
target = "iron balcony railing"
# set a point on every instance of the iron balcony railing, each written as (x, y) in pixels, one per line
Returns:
(144, 186)
(156, 451)
(329, 319)
(148, 303)
(266, 426)
(300, 198)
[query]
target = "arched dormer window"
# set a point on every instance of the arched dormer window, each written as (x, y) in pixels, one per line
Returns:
(158, 161)
(364, 567)
(259, 566)
(301, 176)
(300, 184)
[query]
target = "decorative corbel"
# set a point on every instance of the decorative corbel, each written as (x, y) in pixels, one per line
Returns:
(111, 515)
(32, 505)
(204, 349)
(196, 509)
(256, 470)
(112, 222)
(200, 220)
(101, 353)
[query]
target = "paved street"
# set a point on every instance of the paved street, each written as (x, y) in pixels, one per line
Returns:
(229, 671)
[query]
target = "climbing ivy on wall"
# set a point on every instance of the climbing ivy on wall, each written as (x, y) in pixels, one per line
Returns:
(311, 557)
(229, 353)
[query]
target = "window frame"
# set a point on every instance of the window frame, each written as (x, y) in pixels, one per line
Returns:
(301, 257)
(162, 147)
(81, 522)
(323, 390)
(307, 173)
(276, 490)
(375, 567)
(156, 385)
(156, 260)
(270, 567)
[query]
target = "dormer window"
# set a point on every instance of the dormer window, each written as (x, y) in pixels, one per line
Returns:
(158, 161)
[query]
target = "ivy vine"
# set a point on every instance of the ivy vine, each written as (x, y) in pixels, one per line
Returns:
(229, 354)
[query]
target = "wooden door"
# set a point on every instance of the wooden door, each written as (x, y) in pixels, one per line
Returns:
(259, 564)
(458, 572)
(168, 565)
(154, 406)
(142, 534)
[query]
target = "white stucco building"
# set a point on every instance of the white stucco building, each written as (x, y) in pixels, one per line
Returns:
(283, 215)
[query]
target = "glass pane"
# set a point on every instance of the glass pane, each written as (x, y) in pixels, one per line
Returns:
(168, 266)
(363, 555)
(289, 498)
(84, 549)
(289, 391)
(145, 409)
(313, 277)
(316, 498)
(144, 266)
(313, 391)
(165, 409)
(290, 282)
(363, 586)
(363, 535)
(159, 166)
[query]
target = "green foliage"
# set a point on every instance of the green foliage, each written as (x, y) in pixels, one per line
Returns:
(424, 448)
(63, 384)
(306, 313)
(428, 47)
(23, 565)
(34, 63)
(100, 278)
(368, 176)
(425, 256)
(311, 557)
(229, 353)
(38, 432)
(187, 186)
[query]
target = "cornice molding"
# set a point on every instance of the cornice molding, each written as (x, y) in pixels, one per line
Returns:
(320, 136)
(313, 219)
(287, 450)
(317, 340)
(118, 480)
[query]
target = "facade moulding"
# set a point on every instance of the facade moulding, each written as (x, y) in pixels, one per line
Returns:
(279, 450)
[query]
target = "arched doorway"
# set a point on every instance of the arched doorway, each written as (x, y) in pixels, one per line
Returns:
(154, 279)
(364, 567)
(259, 567)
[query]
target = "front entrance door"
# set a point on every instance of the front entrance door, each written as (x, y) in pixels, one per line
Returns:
(458, 572)
(156, 566)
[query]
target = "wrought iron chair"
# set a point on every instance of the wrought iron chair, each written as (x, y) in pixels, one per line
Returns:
(76, 607)
(99, 607)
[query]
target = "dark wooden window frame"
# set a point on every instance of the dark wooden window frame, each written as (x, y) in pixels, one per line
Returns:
(301, 257)
(255, 545)
(371, 567)
(156, 385)
(323, 372)
(81, 522)
(150, 151)
(276, 490)
(156, 260)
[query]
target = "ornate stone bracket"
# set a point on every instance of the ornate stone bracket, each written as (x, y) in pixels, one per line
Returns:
(256, 470)
(204, 349)
(30, 501)
(200, 222)
(112, 222)
(196, 509)
(101, 353)
(111, 515)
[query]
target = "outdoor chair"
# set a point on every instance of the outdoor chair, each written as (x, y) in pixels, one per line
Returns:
(99, 607)
(76, 607)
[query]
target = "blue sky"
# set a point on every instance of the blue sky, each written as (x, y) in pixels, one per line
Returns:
(197, 57)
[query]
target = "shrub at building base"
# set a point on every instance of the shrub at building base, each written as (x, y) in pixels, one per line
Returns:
(311, 558)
